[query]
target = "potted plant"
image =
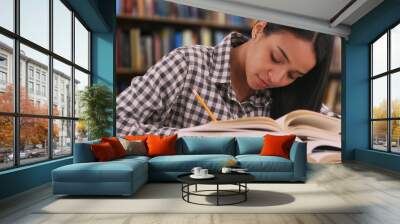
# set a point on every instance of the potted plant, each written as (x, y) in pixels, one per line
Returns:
(96, 103)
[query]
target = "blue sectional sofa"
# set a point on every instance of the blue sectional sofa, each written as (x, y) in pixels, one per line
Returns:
(125, 176)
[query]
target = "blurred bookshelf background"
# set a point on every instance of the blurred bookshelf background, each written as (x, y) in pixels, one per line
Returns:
(149, 29)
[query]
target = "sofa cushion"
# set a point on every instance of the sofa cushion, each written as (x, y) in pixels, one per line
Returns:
(103, 152)
(111, 171)
(161, 145)
(257, 163)
(116, 145)
(185, 163)
(132, 158)
(136, 137)
(195, 145)
(134, 147)
(249, 145)
(277, 145)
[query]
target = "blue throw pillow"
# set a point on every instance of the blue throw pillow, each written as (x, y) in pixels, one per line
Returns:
(192, 145)
(249, 145)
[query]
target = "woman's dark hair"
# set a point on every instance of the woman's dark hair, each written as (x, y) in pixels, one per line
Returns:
(306, 92)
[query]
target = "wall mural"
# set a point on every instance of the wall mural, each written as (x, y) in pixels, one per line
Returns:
(188, 71)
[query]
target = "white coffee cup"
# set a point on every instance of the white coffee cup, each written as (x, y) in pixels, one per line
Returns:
(226, 170)
(196, 170)
(203, 172)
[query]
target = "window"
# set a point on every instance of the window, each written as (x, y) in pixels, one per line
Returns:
(3, 78)
(62, 29)
(44, 91)
(3, 61)
(30, 87)
(38, 89)
(34, 21)
(81, 45)
(62, 75)
(385, 97)
(30, 72)
(37, 75)
(3, 72)
(54, 125)
(7, 14)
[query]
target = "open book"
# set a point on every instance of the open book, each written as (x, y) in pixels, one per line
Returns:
(317, 129)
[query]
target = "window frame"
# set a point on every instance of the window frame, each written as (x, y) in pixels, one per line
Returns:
(388, 74)
(16, 114)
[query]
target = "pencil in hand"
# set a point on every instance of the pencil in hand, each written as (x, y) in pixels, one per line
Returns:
(203, 104)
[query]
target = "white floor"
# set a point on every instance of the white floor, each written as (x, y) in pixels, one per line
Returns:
(379, 190)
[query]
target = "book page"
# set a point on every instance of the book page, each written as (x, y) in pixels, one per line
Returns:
(312, 119)
(244, 123)
(313, 132)
(314, 143)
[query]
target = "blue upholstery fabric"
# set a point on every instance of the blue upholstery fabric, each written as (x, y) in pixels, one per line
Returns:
(184, 163)
(249, 145)
(298, 155)
(257, 163)
(194, 145)
(122, 177)
(83, 152)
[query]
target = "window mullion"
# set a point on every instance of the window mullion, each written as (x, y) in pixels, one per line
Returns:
(371, 142)
(16, 85)
(50, 81)
(389, 106)
(73, 83)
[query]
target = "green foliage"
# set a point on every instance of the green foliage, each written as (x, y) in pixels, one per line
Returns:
(96, 102)
(380, 127)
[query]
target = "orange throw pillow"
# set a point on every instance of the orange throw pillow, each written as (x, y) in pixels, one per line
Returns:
(161, 145)
(275, 145)
(116, 145)
(103, 151)
(136, 137)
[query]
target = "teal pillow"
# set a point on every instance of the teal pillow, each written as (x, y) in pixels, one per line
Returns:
(249, 145)
(194, 145)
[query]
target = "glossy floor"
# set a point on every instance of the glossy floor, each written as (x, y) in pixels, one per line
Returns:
(377, 188)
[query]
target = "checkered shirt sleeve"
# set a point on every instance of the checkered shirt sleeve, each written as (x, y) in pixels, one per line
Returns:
(142, 107)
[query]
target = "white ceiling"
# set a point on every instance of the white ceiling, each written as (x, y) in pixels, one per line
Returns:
(316, 15)
(321, 9)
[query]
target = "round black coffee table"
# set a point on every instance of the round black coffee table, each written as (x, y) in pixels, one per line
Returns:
(238, 179)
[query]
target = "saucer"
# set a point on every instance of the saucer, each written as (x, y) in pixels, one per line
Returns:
(208, 176)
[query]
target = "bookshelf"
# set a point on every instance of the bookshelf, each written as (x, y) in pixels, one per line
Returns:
(127, 21)
(149, 29)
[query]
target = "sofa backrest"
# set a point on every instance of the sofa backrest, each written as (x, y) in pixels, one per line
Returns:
(192, 145)
(249, 145)
(83, 152)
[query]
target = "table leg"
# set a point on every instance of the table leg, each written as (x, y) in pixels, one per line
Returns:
(188, 190)
(196, 188)
(217, 194)
(245, 193)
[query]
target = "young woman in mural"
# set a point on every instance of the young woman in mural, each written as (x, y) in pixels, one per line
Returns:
(278, 70)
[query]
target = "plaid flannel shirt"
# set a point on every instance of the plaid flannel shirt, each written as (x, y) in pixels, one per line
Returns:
(161, 101)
